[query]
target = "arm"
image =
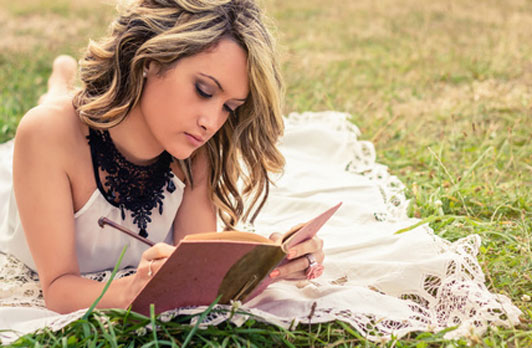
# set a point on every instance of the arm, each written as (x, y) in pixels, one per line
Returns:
(197, 212)
(44, 200)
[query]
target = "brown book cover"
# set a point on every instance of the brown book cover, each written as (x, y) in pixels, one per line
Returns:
(232, 264)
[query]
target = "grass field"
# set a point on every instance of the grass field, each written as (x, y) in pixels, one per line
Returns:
(443, 88)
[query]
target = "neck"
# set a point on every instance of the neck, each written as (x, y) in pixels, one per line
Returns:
(134, 140)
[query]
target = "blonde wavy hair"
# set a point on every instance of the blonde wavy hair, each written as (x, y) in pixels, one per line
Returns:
(164, 31)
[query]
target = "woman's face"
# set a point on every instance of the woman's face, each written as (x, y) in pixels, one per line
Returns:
(188, 104)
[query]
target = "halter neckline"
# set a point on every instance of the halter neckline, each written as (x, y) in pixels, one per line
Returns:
(129, 186)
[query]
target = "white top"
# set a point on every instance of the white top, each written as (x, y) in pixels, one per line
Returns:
(97, 248)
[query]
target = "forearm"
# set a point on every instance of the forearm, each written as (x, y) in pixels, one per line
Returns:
(70, 292)
(197, 212)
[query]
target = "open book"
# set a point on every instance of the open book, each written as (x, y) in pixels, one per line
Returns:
(232, 264)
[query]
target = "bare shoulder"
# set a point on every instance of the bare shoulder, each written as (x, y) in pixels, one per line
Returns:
(52, 127)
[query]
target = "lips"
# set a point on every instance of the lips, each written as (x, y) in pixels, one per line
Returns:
(195, 139)
(198, 138)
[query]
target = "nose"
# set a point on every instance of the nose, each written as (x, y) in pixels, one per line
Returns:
(211, 119)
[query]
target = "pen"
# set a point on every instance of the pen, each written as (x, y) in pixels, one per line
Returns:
(105, 221)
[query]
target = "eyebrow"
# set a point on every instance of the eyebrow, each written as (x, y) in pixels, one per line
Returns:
(219, 85)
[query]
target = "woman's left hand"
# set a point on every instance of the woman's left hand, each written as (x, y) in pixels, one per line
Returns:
(300, 259)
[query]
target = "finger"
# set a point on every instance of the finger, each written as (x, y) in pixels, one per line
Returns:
(158, 251)
(314, 272)
(305, 275)
(295, 276)
(296, 227)
(319, 256)
(156, 264)
(307, 247)
(148, 268)
(298, 268)
(276, 236)
(291, 268)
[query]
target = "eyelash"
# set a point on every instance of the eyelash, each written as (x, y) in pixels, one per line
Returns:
(202, 94)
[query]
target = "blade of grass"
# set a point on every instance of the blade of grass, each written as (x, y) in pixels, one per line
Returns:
(200, 320)
(115, 269)
(453, 181)
(153, 325)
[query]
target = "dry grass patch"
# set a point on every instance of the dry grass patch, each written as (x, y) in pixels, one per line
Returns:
(393, 61)
(466, 99)
(31, 25)
(25, 34)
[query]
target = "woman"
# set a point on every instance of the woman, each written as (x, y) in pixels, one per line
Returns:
(210, 73)
(179, 103)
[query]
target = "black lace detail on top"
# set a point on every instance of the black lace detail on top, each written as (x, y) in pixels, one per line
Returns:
(138, 189)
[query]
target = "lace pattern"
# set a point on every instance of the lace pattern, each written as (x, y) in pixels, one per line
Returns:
(138, 189)
(19, 285)
(454, 295)
(456, 298)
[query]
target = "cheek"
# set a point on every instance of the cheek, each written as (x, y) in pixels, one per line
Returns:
(223, 120)
(152, 99)
(159, 101)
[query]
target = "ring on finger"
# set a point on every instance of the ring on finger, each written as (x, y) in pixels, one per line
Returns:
(311, 260)
(313, 267)
(150, 273)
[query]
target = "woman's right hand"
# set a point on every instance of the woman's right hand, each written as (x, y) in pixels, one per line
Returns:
(152, 259)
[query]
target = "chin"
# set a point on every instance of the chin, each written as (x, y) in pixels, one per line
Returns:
(180, 154)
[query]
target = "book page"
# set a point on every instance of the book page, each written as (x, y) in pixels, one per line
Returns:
(230, 236)
(303, 232)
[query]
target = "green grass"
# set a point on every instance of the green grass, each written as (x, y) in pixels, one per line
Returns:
(441, 87)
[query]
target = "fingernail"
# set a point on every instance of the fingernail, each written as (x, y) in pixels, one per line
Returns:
(274, 273)
(291, 254)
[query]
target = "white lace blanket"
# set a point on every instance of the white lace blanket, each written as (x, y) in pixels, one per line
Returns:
(379, 282)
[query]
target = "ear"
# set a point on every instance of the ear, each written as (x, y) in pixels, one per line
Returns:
(152, 68)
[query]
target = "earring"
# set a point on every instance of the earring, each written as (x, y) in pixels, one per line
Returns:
(144, 73)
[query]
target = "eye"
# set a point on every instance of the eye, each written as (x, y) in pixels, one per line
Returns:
(228, 109)
(202, 93)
